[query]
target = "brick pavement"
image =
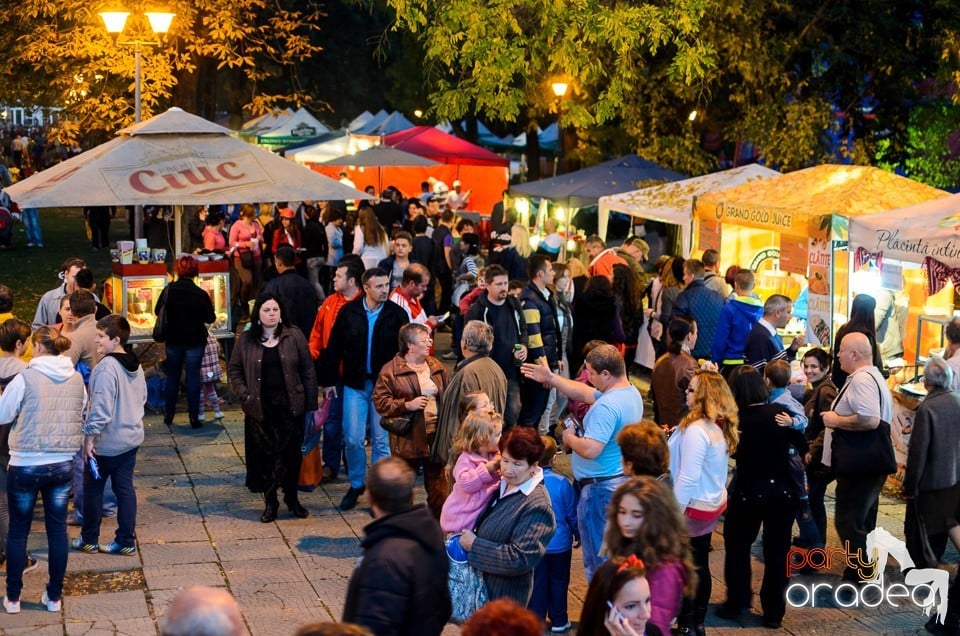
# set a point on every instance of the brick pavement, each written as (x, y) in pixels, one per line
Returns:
(198, 525)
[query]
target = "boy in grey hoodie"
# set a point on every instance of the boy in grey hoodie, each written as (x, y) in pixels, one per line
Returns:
(112, 434)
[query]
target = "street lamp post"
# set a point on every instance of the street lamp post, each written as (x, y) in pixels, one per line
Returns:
(560, 91)
(115, 21)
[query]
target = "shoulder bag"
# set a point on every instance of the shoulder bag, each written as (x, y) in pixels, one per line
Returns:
(864, 452)
(468, 590)
(160, 326)
(401, 426)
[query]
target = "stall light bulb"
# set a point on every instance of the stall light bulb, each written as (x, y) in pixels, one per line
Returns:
(560, 214)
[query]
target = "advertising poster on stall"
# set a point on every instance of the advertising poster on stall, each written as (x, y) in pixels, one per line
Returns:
(709, 238)
(793, 254)
(819, 294)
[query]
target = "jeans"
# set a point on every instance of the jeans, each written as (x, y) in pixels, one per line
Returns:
(555, 403)
(358, 415)
(333, 434)
(534, 398)
(592, 519)
(120, 469)
(551, 579)
(109, 506)
(314, 266)
(818, 490)
(31, 223)
(694, 610)
(23, 485)
(4, 512)
(511, 410)
(177, 357)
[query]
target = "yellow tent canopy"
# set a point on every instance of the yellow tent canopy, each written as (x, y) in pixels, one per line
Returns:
(788, 203)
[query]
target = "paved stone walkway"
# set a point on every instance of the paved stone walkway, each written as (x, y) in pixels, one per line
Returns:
(198, 525)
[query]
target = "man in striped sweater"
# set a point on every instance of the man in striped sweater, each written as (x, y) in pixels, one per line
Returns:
(545, 341)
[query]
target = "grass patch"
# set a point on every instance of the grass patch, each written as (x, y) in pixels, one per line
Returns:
(32, 271)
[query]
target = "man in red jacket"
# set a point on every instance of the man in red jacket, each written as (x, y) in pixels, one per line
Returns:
(346, 287)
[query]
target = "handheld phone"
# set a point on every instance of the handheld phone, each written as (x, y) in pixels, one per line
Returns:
(444, 317)
(616, 611)
(569, 421)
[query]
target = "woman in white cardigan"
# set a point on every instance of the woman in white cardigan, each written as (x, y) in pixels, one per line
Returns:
(699, 448)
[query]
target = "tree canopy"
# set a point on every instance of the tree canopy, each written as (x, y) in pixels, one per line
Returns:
(58, 53)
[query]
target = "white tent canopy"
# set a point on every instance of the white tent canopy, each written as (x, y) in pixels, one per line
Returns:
(673, 202)
(265, 122)
(911, 234)
(300, 124)
(325, 150)
(175, 158)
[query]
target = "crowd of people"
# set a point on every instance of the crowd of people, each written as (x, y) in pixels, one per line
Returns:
(542, 349)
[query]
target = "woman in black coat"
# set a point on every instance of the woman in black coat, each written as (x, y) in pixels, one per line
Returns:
(763, 492)
(188, 312)
(861, 321)
(595, 317)
(272, 373)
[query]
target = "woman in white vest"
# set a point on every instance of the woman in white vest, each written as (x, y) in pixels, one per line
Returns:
(44, 404)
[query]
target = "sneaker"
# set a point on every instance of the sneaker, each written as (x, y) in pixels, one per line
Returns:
(349, 501)
(52, 606)
(201, 417)
(559, 629)
(30, 564)
(89, 548)
(12, 607)
(115, 548)
(218, 414)
(31, 245)
(449, 355)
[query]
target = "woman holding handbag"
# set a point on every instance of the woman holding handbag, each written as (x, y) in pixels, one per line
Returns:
(407, 396)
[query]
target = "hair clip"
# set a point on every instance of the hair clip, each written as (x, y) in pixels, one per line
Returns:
(631, 561)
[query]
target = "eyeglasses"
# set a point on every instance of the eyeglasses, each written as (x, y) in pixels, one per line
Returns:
(426, 341)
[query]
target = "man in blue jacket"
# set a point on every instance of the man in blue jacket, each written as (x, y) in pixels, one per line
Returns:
(736, 320)
(700, 303)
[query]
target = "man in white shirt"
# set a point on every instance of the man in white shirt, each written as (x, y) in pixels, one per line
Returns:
(863, 402)
(458, 200)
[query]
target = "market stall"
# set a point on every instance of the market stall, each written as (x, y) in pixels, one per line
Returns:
(918, 249)
(583, 188)
(792, 230)
(481, 171)
(673, 202)
(174, 159)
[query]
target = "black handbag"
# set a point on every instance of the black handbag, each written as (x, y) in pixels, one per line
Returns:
(246, 259)
(864, 452)
(401, 426)
(160, 326)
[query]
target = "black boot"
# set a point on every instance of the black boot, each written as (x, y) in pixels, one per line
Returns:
(271, 505)
(293, 504)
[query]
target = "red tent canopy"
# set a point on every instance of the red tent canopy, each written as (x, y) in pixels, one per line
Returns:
(427, 141)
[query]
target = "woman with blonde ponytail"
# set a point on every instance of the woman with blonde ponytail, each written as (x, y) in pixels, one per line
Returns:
(43, 404)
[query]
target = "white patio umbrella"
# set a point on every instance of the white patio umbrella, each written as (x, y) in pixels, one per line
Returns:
(175, 159)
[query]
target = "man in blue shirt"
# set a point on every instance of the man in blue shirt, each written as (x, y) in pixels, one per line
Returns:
(596, 461)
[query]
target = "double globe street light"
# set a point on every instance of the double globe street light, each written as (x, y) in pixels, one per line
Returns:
(115, 21)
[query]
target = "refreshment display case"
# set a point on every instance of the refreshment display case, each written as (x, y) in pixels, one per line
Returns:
(214, 279)
(132, 291)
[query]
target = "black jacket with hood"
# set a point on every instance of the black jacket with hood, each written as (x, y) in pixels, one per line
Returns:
(399, 587)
